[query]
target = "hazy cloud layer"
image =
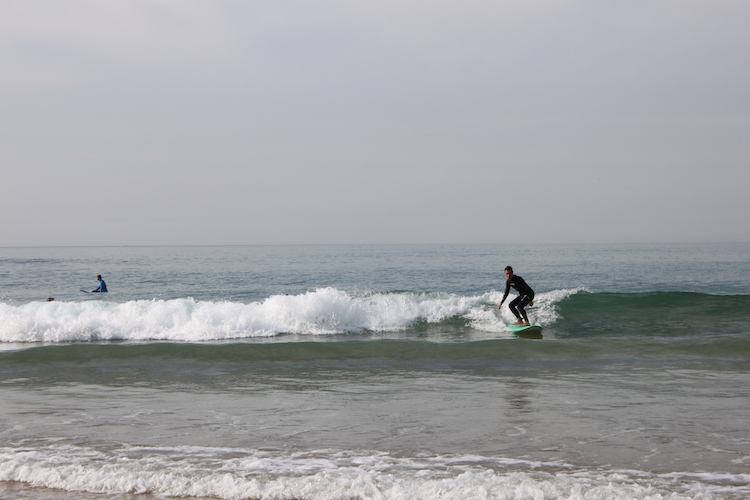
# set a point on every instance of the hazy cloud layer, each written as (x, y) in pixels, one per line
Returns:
(229, 122)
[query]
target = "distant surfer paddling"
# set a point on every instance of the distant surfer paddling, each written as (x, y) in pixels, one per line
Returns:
(525, 297)
(102, 285)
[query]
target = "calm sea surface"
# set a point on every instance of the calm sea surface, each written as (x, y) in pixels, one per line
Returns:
(374, 372)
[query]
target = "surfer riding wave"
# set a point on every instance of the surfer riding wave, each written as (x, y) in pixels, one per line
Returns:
(525, 297)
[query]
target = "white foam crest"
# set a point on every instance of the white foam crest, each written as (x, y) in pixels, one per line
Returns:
(544, 310)
(394, 311)
(319, 312)
(323, 311)
(240, 474)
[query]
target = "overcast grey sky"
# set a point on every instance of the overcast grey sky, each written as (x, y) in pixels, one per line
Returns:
(391, 121)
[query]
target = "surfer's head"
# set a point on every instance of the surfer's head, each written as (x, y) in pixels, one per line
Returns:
(508, 271)
(98, 276)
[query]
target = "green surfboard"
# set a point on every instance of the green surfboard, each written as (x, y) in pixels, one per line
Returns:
(526, 332)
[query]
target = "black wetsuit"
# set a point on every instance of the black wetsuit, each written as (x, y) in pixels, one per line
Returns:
(525, 295)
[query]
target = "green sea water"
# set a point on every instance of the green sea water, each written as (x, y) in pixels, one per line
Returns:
(375, 372)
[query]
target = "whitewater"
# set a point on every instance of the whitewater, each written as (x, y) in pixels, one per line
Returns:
(324, 311)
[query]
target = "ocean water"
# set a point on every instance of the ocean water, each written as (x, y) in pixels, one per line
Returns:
(374, 372)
